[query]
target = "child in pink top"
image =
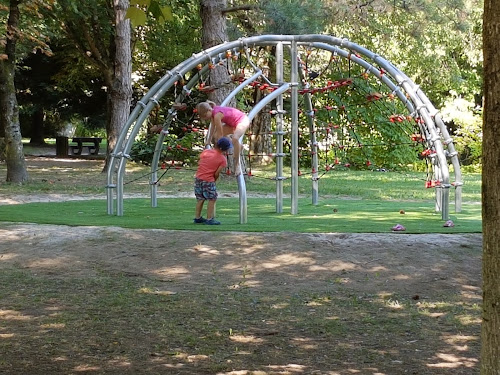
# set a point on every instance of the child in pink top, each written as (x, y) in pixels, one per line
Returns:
(226, 121)
(211, 163)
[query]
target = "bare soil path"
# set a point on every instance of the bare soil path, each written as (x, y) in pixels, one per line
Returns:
(403, 303)
(95, 300)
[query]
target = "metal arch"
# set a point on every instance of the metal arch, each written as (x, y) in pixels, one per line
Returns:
(438, 138)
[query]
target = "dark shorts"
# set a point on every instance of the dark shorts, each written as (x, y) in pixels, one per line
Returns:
(204, 190)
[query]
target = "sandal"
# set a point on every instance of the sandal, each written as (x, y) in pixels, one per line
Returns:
(398, 228)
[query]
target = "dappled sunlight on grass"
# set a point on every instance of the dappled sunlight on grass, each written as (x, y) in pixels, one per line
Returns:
(282, 305)
(157, 292)
(459, 342)
(287, 260)
(55, 175)
(49, 263)
(450, 361)
(14, 315)
(7, 257)
(471, 292)
(53, 326)
(205, 251)
(173, 272)
(246, 339)
(394, 304)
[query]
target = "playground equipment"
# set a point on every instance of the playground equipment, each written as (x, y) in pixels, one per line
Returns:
(293, 76)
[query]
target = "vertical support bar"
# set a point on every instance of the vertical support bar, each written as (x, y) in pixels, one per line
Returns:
(313, 139)
(458, 198)
(110, 200)
(295, 130)
(314, 148)
(445, 196)
(154, 189)
(437, 190)
(242, 190)
(438, 199)
(119, 189)
(279, 130)
(111, 186)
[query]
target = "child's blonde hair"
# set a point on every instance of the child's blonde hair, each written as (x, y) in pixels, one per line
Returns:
(204, 107)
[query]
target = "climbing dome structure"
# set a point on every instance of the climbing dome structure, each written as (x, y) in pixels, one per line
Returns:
(352, 102)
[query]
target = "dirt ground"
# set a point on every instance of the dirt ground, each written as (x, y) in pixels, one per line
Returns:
(402, 304)
(400, 269)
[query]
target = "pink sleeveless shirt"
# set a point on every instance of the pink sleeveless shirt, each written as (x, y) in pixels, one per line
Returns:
(232, 116)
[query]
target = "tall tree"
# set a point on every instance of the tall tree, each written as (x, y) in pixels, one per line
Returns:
(490, 332)
(120, 94)
(9, 109)
(101, 32)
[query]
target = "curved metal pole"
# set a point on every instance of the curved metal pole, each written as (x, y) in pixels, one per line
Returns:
(453, 154)
(241, 86)
(186, 90)
(418, 103)
(125, 153)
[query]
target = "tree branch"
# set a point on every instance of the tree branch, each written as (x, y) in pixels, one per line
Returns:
(238, 8)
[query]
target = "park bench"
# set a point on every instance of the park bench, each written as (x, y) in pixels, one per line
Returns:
(90, 143)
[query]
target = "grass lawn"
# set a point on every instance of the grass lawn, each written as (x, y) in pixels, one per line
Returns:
(350, 201)
(330, 215)
(112, 295)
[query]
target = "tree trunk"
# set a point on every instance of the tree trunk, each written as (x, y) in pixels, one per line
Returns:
(9, 109)
(120, 88)
(38, 128)
(214, 32)
(490, 331)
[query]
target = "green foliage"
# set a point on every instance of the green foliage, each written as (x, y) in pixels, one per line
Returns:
(84, 129)
(161, 46)
(467, 123)
(175, 150)
(143, 149)
(444, 55)
(436, 43)
(32, 34)
(360, 124)
(140, 9)
(64, 87)
(292, 16)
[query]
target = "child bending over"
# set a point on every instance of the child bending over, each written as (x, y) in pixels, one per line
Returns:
(226, 121)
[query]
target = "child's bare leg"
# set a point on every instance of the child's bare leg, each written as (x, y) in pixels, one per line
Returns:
(236, 155)
(199, 207)
(211, 209)
(237, 146)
